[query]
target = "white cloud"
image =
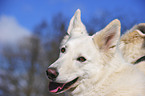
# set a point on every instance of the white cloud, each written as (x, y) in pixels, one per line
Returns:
(11, 31)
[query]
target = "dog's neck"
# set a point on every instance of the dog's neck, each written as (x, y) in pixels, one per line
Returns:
(101, 84)
(99, 88)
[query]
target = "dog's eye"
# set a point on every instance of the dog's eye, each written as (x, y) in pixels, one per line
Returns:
(62, 50)
(81, 59)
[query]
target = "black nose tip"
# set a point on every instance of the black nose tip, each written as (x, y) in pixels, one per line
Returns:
(52, 73)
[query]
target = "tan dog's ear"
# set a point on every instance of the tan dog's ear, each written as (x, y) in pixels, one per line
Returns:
(135, 34)
(76, 27)
(109, 36)
(140, 28)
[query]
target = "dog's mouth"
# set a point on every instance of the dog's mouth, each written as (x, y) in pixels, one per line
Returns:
(55, 87)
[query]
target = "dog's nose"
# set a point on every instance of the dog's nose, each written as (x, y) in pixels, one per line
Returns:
(52, 73)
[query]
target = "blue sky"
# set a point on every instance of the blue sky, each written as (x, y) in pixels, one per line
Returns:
(29, 13)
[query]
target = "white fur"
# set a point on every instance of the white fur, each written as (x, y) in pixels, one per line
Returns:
(104, 73)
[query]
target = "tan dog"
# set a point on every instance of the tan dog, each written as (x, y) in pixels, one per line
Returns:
(133, 46)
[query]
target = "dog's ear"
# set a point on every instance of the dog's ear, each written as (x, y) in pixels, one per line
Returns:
(140, 28)
(76, 27)
(135, 34)
(109, 36)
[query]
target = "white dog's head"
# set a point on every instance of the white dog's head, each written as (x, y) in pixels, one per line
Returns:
(82, 56)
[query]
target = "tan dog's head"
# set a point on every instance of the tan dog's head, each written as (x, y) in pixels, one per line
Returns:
(82, 56)
(133, 43)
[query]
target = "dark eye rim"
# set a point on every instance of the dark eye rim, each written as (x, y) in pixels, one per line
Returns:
(81, 59)
(63, 50)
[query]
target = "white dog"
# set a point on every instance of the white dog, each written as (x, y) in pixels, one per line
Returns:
(92, 66)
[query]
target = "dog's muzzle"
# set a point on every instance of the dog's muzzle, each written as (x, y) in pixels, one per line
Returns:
(52, 73)
(57, 87)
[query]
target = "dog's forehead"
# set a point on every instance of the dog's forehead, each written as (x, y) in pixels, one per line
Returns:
(80, 41)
